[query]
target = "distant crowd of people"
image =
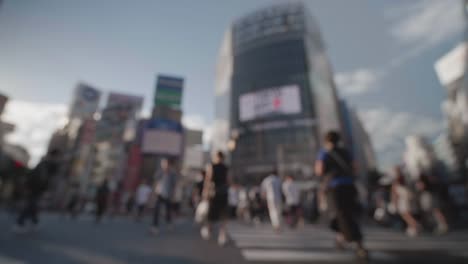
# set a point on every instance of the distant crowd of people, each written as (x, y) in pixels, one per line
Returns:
(413, 204)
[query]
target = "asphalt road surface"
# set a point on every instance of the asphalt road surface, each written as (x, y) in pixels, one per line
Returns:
(122, 240)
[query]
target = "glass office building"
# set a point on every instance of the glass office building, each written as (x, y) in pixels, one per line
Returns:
(275, 95)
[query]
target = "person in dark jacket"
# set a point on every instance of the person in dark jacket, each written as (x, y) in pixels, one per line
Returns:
(336, 167)
(102, 199)
(37, 182)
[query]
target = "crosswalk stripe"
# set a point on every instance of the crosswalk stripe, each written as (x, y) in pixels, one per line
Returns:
(370, 245)
(292, 256)
(312, 243)
(7, 260)
(288, 255)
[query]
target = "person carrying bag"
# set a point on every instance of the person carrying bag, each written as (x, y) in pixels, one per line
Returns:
(335, 166)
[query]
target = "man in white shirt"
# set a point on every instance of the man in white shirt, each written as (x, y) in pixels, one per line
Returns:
(271, 189)
(166, 180)
(142, 196)
(293, 196)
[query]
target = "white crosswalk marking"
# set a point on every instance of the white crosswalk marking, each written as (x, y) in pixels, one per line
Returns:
(7, 260)
(313, 243)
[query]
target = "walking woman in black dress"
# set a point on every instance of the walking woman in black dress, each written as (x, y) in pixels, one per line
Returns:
(335, 166)
(216, 191)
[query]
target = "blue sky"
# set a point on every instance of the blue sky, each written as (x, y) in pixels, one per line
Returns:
(382, 53)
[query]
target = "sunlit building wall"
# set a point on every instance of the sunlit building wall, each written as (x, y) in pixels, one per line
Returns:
(445, 152)
(221, 126)
(357, 140)
(451, 70)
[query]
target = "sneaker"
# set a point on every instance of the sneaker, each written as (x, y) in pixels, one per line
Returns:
(222, 239)
(340, 243)
(301, 223)
(441, 230)
(17, 229)
(277, 229)
(362, 254)
(412, 232)
(257, 221)
(154, 231)
(205, 233)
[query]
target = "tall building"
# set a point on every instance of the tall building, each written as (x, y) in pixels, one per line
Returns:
(358, 141)
(275, 95)
(117, 127)
(445, 152)
(74, 140)
(451, 70)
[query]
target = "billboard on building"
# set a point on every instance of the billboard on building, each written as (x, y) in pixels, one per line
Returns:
(281, 100)
(278, 20)
(451, 66)
(169, 91)
(85, 101)
(162, 136)
(88, 130)
(166, 112)
(118, 119)
(112, 124)
(125, 100)
(193, 137)
(194, 157)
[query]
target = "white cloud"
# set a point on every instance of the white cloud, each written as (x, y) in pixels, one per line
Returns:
(388, 130)
(420, 25)
(193, 121)
(428, 22)
(145, 113)
(356, 82)
(197, 122)
(35, 123)
(417, 26)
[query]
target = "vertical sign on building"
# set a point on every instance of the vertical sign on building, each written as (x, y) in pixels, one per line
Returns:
(169, 91)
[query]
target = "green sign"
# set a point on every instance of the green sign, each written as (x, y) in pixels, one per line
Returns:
(169, 91)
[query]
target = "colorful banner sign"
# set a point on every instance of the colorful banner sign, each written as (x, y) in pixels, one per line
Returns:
(282, 100)
(169, 91)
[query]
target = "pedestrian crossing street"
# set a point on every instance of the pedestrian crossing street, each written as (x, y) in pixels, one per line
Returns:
(316, 244)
